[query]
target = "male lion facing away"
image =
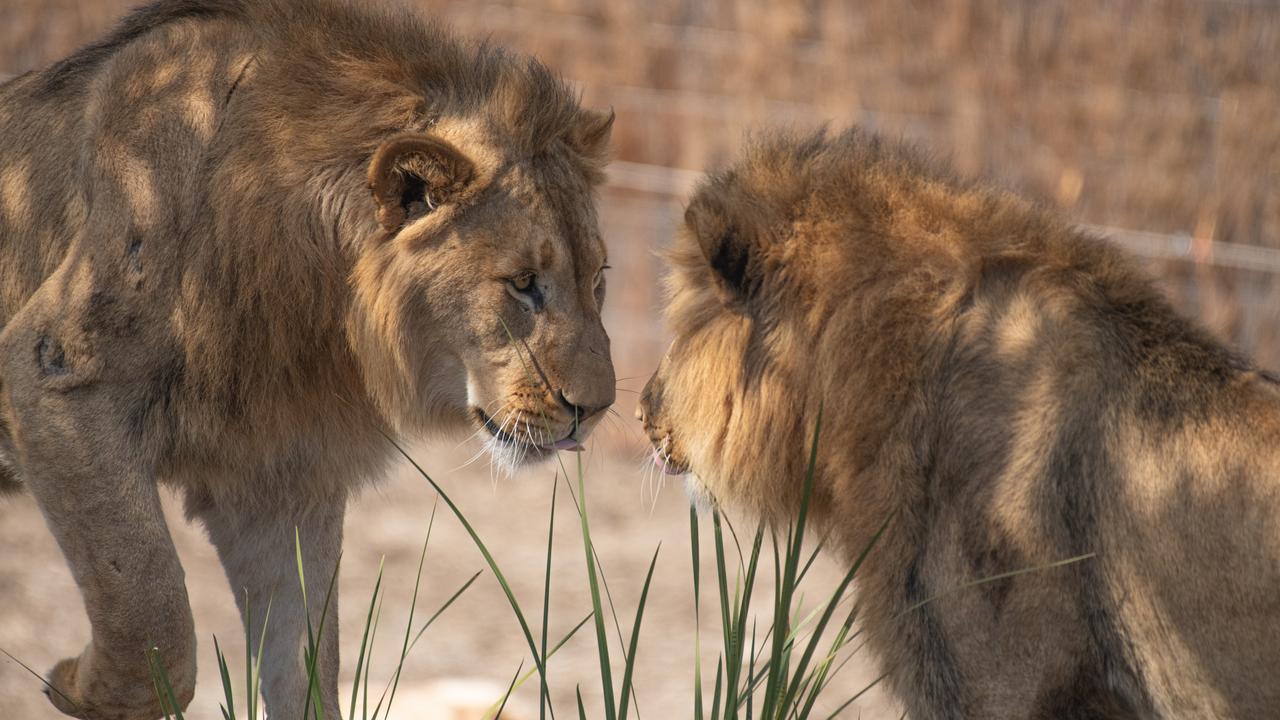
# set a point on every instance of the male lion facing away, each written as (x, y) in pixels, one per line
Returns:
(240, 240)
(1005, 391)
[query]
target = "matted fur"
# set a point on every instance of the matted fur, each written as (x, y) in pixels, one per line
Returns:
(1011, 392)
(241, 241)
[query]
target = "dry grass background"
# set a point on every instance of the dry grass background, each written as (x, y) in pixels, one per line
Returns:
(1159, 119)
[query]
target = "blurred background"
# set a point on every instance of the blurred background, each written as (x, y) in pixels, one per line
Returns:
(1155, 122)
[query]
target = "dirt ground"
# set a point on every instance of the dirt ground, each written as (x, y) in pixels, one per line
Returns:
(42, 618)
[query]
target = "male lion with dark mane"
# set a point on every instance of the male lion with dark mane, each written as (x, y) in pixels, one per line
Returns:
(241, 241)
(1006, 391)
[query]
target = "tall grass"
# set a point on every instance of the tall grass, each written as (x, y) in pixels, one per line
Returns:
(773, 667)
(778, 665)
(748, 683)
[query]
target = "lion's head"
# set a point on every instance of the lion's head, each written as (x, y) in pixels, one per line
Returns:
(728, 402)
(479, 297)
(792, 268)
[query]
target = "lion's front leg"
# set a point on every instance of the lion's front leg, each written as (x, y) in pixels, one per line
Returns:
(86, 470)
(257, 548)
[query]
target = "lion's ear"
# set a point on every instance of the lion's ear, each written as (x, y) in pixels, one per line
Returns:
(591, 133)
(729, 239)
(415, 173)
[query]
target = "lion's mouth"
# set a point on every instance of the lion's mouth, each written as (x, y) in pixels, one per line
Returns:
(667, 460)
(668, 465)
(506, 437)
(665, 456)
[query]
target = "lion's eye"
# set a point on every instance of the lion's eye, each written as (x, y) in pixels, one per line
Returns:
(523, 282)
(524, 289)
(600, 275)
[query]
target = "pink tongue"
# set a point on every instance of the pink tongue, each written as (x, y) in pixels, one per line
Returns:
(569, 444)
(662, 464)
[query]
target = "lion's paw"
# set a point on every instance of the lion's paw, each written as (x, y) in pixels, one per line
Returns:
(81, 698)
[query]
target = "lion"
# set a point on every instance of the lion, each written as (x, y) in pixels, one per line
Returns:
(1000, 391)
(246, 242)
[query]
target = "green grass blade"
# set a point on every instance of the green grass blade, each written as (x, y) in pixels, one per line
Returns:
(228, 710)
(389, 692)
(364, 639)
(312, 651)
(698, 709)
(525, 678)
(484, 551)
(604, 583)
(257, 665)
(994, 578)
(809, 563)
(801, 669)
(602, 637)
(582, 710)
(507, 695)
(774, 671)
(613, 611)
(822, 675)
(311, 640)
(251, 699)
(751, 670)
(728, 619)
(40, 677)
(737, 544)
(635, 638)
(604, 580)
(715, 696)
(742, 613)
(368, 667)
(778, 677)
(447, 604)
(252, 663)
(543, 692)
(825, 673)
(413, 607)
(164, 688)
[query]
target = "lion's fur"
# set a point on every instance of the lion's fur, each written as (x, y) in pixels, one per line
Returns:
(1011, 392)
(195, 288)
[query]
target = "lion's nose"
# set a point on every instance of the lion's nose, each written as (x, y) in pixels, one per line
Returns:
(581, 413)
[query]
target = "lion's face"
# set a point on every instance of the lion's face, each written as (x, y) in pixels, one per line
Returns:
(726, 403)
(488, 285)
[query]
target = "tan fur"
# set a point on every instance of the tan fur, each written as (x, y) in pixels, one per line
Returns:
(241, 241)
(1011, 392)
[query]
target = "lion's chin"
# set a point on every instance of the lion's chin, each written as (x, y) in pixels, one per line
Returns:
(512, 452)
(511, 457)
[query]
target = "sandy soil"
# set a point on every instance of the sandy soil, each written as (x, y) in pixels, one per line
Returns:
(42, 619)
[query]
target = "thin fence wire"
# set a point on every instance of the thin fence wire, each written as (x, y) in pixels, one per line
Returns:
(678, 183)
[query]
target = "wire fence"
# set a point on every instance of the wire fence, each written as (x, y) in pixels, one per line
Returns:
(678, 183)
